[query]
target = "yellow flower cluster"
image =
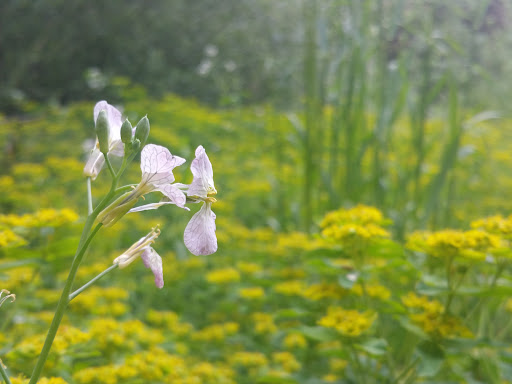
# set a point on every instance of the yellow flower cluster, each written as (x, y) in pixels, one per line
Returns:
(216, 332)
(354, 227)
(360, 214)
(347, 322)
(102, 301)
(472, 244)
(223, 276)
(110, 334)
(43, 218)
(286, 361)
(432, 317)
(376, 291)
(248, 359)
(9, 239)
(295, 341)
(249, 268)
(495, 224)
(43, 380)
(324, 291)
(251, 293)
(170, 321)
(263, 323)
(290, 288)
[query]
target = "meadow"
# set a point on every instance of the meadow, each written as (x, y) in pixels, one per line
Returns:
(407, 281)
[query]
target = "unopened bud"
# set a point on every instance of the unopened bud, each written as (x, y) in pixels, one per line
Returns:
(126, 132)
(103, 131)
(135, 145)
(142, 130)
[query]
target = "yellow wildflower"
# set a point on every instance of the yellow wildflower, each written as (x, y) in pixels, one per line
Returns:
(290, 288)
(287, 361)
(252, 293)
(295, 340)
(348, 322)
(263, 323)
(248, 359)
(223, 276)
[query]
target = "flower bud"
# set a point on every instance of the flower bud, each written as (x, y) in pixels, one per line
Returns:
(126, 132)
(142, 130)
(103, 131)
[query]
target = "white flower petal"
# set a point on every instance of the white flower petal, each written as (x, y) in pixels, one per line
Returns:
(201, 168)
(114, 118)
(152, 260)
(94, 163)
(199, 234)
(116, 148)
(157, 164)
(174, 194)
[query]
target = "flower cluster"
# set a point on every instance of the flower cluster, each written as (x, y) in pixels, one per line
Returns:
(347, 322)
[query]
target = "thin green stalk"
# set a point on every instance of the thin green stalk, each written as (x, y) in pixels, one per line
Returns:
(89, 196)
(91, 282)
(63, 303)
(4, 374)
(85, 240)
(110, 168)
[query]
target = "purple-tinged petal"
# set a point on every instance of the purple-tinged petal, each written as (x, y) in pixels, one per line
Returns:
(199, 234)
(114, 118)
(94, 163)
(174, 194)
(201, 168)
(157, 164)
(152, 260)
(150, 206)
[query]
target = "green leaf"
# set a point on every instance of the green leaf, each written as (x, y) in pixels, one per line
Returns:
(318, 333)
(431, 359)
(292, 313)
(276, 380)
(375, 347)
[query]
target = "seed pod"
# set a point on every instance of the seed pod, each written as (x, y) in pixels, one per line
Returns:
(142, 130)
(103, 131)
(126, 132)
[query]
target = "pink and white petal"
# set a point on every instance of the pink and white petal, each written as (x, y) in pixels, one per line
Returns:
(174, 194)
(148, 207)
(202, 170)
(157, 164)
(199, 234)
(94, 163)
(152, 260)
(114, 118)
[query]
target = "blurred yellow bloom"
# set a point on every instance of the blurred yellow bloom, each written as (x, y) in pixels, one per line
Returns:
(295, 340)
(249, 268)
(223, 276)
(287, 361)
(263, 323)
(9, 239)
(251, 293)
(290, 288)
(348, 322)
(248, 359)
(216, 332)
(372, 290)
(324, 291)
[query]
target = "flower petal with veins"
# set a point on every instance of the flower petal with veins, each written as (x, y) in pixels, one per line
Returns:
(152, 260)
(157, 163)
(114, 118)
(201, 168)
(199, 234)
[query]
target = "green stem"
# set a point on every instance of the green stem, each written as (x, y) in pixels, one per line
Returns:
(3, 372)
(109, 165)
(89, 196)
(87, 285)
(451, 292)
(63, 302)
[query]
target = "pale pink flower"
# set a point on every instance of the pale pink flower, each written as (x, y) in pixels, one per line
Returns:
(150, 258)
(96, 159)
(200, 238)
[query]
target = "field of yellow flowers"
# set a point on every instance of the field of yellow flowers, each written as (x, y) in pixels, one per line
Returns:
(350, 302)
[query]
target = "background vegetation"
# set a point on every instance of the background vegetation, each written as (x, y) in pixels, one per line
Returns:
(305, 109)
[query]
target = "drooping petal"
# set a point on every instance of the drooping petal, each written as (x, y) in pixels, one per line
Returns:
(157, 163)
(175, 195)
(152, 260)
(199, 234)
(201, 168)
(114, 118)
(94, 163)
(151, 206)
